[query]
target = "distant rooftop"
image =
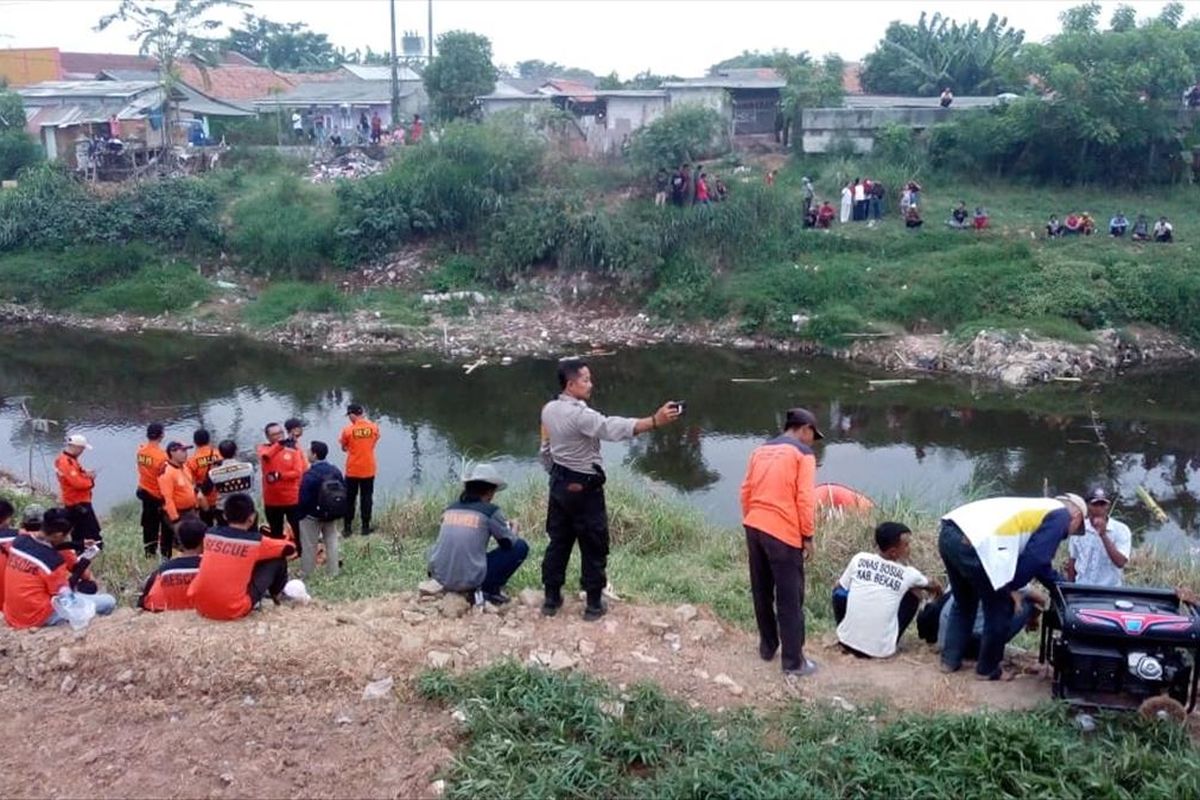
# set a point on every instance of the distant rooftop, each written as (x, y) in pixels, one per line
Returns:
(373, 73)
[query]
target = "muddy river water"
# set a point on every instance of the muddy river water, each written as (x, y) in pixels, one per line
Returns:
(933, 442)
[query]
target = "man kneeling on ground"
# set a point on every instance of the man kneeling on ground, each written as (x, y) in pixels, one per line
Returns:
(876, 597)
(459, 560)
(36, 572)
(240, 566)
(167, 587)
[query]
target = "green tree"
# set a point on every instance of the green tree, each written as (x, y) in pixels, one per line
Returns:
(937, 52)
(756, 59)
(17, 149)
(687, 133)
(536, 68)
(461, 71)
(286, 46)
(173, 35)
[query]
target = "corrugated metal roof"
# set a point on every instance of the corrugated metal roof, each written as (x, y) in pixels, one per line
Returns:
(92, 64)
(352, 91)
(86, 89)
(725, 83)
(193, 100)
(374, 73)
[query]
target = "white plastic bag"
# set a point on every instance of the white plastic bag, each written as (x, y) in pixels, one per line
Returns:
(296, 590)
(77, 609)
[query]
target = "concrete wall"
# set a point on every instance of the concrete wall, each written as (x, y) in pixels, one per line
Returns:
(821, 128)
(714, 98)
(627, 114)
(498, 105)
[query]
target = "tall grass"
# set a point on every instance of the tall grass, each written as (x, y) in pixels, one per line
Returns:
(284, 229)
(531, 733)
(280, 301)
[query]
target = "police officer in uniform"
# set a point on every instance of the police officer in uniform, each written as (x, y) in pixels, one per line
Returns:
(571, 436)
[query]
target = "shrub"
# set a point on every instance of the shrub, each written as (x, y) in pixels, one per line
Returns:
(17, 151)
(685, 134)
(686, 288)
(150, 291)
(450, 186)
(285, 229)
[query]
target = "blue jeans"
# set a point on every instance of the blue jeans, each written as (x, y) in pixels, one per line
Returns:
(973, 588)
(501, 564)
(105, 603)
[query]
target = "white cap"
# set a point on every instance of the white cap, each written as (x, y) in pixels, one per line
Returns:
(485, 473)
(78, 440)
(1073, 500)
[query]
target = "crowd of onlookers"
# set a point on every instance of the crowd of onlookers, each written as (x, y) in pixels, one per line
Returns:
(688, 186)
(1083, 224)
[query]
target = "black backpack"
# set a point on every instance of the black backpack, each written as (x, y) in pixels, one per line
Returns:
(333, 501)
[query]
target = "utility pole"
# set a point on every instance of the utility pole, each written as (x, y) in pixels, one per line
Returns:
(395, 72)
(430, 32)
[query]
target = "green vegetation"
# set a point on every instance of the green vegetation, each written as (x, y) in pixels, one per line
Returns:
(532, 733)
(17, 149)
(682, 135)
(461, 71)
(284, 229)
(102, 279)
(280, 301)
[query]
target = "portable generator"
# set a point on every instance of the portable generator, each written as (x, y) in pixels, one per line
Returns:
(1122, 648)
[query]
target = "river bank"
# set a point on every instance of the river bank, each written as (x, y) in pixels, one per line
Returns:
(499, 329)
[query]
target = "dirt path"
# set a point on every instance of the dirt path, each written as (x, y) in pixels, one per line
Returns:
(173, 706)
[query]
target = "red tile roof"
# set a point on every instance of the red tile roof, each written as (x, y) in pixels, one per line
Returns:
(234, 82)
(575, 89)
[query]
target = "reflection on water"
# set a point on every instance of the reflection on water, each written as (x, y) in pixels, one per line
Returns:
(936, 441)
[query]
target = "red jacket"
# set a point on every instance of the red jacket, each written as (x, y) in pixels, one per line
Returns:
(74, 484)
(289, 465)
(779, 491)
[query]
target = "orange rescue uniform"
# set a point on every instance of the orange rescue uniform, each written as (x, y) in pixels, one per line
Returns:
(151, 459)
(178, 491)
(199, 464)
(221, 588)
(290, 464)
(35, 572)
(74, 484)
(167, 588)
(7, 535)
(778, 494)
(358, 442)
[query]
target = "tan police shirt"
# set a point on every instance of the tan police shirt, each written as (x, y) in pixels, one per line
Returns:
(572, 432)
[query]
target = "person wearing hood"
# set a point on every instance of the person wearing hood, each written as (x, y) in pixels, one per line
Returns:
(992, 548)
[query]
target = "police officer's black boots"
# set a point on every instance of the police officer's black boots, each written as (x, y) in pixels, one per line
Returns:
(552, 603)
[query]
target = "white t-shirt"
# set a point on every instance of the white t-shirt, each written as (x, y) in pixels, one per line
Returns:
(876, 586)
(1092, 564)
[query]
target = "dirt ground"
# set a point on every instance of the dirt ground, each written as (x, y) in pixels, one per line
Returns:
(271, 706)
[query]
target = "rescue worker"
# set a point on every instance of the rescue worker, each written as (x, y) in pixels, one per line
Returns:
(151, 460)
(992, 548)
(779, 501)
(358, 440)
(228, 476)
(459, 560)
(84, 581)
(283, 465)
(167, 587)
(239, 567)
(7, 534)
(178, 489)
(75, 486)
(36, 572)
(201, 461)
(570, 451)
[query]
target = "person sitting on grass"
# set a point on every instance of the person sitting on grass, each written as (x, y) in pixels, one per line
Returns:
(167, 587)
(240, 567)
(1087, 225)
(876, 598)
(1141, 229)
(958, 216)
(810, 217)
(459, 560)
(36, 573)
(912, 217)
(85, 582)
(825, 216)
(980, 220)
(1163, 230)
(1118, 225)
(1054, 228)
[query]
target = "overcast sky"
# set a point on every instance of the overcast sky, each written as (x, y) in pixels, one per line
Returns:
(666, 36)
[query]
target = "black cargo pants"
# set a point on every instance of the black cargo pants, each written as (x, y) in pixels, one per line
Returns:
(576, 513)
